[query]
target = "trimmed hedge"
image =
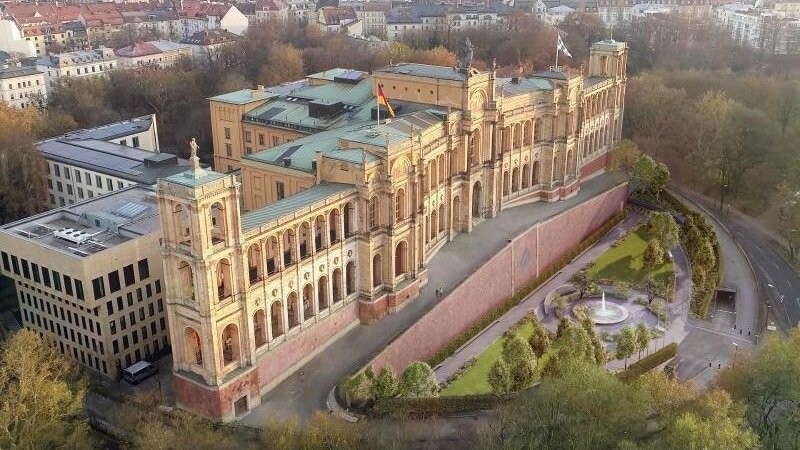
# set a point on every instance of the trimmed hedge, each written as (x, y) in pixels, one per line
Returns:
(649, 363)
(436, 406)
(523, 292)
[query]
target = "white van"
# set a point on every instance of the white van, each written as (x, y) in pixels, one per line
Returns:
(138, 372)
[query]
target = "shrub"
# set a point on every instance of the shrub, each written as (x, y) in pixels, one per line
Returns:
(516, 350)
(649, 363)
(521, 375)
(499, 378)
(417, 381)
(357, 389)
(539, 340)
(385, 384)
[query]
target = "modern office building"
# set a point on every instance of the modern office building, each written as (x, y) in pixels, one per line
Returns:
(89, 278)
(88, 163)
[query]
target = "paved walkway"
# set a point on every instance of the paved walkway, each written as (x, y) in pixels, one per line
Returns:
(305, 391)
(532, 302)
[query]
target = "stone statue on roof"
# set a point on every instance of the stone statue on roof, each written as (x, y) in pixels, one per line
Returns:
(465, 54)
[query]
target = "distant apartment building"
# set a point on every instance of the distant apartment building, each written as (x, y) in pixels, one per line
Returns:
(199, 16)
(770, 31)
(613, 12)
(158, 53)
(89, 278)
(12, 40)
(89, 163)
(80, 63)
(207, 44)
(20, 85)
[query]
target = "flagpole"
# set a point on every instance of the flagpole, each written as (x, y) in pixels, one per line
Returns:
(558, 37)
(377, 99)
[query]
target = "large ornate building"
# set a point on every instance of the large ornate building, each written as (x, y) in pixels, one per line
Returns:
(336, 215)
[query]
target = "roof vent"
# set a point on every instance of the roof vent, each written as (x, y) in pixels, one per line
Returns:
(287, 162)
(314, 166)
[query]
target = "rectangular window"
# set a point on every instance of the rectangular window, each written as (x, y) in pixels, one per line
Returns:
(135, 336)
(260, 139)
(119, 185)
(57, 169)
(109, 308)
(163, 324)
(57, 281)
(130, 299)
(248, 137)
(122, 323)
(160, 305)
(98, 181)
(113, 281)
(109, 184)
(136, 141)
(158, 286)
(78, 176)
(144, 333)
(68, 285)
(88, 179)
(79, 289)
(125, 343)
(46, 276)
(228, 150)
(150, 309)
(115, 345)
(113, 326)
(144, 270)
(15, 264)
(132, 317)
(149, 290)
(227, 133)
(280, 193)
(35, 272)
(119, 303)
(128, 274)
(275, 141)
(153, 328)
(99, 288)
(67, 174)
(26, 271)
(141, 313)
(6, 265)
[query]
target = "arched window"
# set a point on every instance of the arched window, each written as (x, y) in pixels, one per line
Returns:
(305, 240)
(224, 281)
(400, 205)
(527, 133)
(334, 225)
(276, 318)
(526, 176)
(272, 254)
(349, 213)
(260, 328)
(442, 218)
(477, 201)
(350, 278)
(322, 293)
(308, 302)
(218, 225)
(536, 173)
(336, 287)
(182, 224)
(373, 212)
(537, 131)
(433, 175)
(289, 244)
(400, 259)
(434, 223)
(506, 188)
(377, 279)
(194, 348)
(319, 233)
(254, 267)
(294, 311)
(475, 150)
(230, 345)
(515, 179)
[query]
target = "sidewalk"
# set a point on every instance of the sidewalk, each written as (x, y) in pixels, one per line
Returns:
(531, 303)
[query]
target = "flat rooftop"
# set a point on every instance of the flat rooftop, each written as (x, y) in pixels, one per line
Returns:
(129, 163)
(113, 130)
(92, 226)
(426, 71)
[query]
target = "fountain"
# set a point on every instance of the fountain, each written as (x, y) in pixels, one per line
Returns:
(606, 313)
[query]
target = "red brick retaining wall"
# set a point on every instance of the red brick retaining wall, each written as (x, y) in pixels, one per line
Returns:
(599, 163)
(490, 285)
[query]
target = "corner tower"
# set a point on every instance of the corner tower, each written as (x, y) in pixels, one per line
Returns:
(203, 267)
(609, 59)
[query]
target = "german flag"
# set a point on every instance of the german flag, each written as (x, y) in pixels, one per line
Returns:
(382, 100)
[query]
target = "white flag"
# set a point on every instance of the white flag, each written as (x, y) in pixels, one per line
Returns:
(563, 48)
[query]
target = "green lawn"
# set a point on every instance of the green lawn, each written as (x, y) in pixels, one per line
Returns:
(624, 262)
(473, 381)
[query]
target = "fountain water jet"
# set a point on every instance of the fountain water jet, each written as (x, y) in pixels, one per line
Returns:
(606, 313)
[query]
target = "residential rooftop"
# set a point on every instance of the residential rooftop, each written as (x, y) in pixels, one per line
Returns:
(94, 225)
(113, 130)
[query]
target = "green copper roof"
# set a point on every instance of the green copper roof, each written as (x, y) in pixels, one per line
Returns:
(194, 179)
(236, 97)
(300, 202)
(426, 70)
(352, 155)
